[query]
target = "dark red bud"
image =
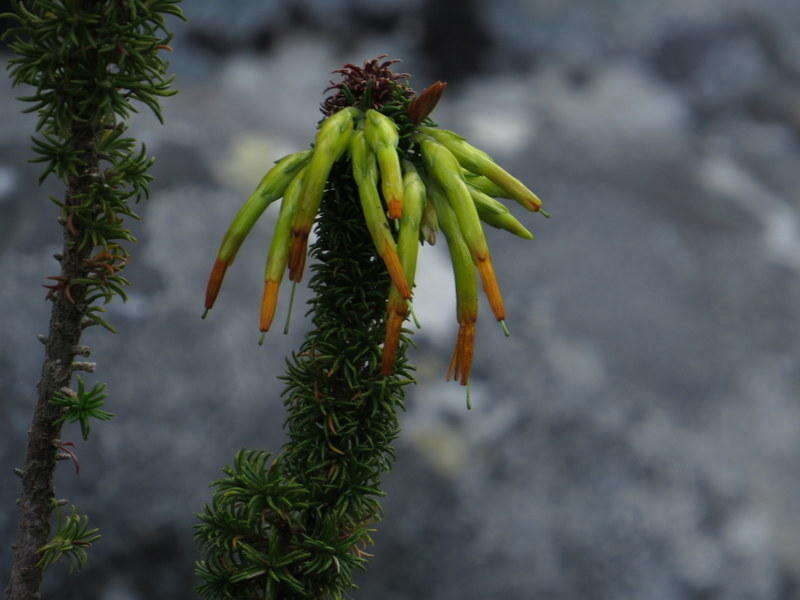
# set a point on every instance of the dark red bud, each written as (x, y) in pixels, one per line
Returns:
(427, 100)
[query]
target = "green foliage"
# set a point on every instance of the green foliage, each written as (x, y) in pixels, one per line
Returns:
(298, 526)
(73, 536)
(243, 528)
(83, 405)
(89, 63)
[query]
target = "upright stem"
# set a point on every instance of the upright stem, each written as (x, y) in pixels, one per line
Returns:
(36, 503)
(87, 63)
(342, 410)
(298, 527)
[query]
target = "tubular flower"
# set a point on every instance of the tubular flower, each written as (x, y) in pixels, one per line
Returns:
(271, 187)
(481, 163)
(494, 213)
(408, 248)
(466, 286)
(381, 133)
(365, 173)
(401, 164)
(279, 251)
(331, 141)
(444, 168)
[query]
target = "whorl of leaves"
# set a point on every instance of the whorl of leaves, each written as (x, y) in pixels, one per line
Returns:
(72, 538)
(299, 526)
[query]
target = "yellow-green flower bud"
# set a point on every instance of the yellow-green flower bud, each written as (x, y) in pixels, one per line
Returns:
(407, 249)
(497, 215)
(365, 172)
(479, 162)
(331, 141)
(270, 188)
(484, 184)
(279, 251)
(443, 167)
(486, 203)
(408, 239)
(466, 284)
(381, 134)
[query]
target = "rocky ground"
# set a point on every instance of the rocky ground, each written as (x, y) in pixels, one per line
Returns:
(639, 434)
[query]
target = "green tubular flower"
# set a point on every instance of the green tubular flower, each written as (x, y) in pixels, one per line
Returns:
(484, 184)
(365, 172)
(443, 167)
(407, 249)
(382, 136)
(494, 213)
(486, 203)
(505, 221)
(270, 188)
(481, 163)
(279, 251)
(331, 141)
(466, 285)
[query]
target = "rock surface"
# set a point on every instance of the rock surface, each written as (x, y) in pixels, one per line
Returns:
(639, 434)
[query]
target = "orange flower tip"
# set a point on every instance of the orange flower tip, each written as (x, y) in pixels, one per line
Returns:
(394, 325)
(535, 204)
(461, 362)
(261, 338)
(297, 255)
(545, 214)
(296, 271)
(205, 313)
(396, 273)
(215, 282)
(491, 288)
(467, 335)
(269, 302)
(505, 328)
(395, 210)
(427, 100)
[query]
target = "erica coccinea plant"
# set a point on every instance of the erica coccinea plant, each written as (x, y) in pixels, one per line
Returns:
(380, 179)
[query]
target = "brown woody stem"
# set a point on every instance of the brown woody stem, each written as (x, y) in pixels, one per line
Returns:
(61, 345)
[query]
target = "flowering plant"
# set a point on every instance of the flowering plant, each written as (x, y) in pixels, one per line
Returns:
(380, 179)
(430, 179)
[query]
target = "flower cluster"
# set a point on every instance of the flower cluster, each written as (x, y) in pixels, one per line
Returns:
(413, 179)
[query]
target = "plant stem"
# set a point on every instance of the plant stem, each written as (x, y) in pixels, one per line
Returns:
(298, 528)
(342, 411)
(87, 63)
(36, 503)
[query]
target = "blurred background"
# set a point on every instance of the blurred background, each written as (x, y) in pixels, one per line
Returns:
(638, 436)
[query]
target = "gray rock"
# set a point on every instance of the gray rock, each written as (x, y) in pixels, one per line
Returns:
(636, 437)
